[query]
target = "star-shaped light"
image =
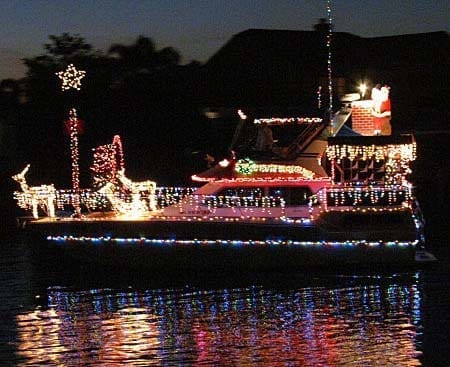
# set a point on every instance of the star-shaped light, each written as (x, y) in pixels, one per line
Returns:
(71, 78)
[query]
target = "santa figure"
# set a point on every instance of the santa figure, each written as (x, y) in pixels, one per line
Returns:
(381, 110)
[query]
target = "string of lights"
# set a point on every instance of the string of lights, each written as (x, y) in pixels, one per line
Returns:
(394, 159)
(286, 120)
(248, 167)
(71, 78)
(329, 65)
(319, 97)
(74, 126)
(220, 242)
(107, 161)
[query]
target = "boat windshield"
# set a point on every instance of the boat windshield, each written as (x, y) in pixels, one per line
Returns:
(251, 137)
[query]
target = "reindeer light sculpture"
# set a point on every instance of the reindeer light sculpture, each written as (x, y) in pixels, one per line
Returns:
(136, 189)
(118, 205)
(35, 197)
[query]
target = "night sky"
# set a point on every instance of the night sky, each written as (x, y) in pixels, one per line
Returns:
(197, 28)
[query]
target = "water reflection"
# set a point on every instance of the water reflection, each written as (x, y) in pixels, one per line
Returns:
(359, 324)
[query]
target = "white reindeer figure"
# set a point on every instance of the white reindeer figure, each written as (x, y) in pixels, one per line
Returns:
(109, 192)
(137, 188)
(33, 197)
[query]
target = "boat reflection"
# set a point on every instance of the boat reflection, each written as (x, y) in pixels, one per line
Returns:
(358, 324)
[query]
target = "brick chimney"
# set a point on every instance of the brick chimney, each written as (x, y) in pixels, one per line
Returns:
(362, 120)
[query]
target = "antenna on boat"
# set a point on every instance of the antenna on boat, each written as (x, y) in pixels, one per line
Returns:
(329, 68)
(242, 118)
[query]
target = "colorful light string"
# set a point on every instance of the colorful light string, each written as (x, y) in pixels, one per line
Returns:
(226, 242)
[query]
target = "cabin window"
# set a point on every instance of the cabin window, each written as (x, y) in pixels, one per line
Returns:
(243, 192)
(292, 195)
(240, 197)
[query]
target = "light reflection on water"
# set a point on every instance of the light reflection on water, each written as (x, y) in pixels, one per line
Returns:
(370, 323)
(70, 316)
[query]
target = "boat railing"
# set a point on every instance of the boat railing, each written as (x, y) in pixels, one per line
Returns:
(229, 206)
(95, 200)
(333, 198)
(166, 196)
(365, 197)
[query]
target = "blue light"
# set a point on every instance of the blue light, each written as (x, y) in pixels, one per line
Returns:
(223, 242)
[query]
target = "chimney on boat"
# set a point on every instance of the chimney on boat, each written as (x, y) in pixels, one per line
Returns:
(362, 119)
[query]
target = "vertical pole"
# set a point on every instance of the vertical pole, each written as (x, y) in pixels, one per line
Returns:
(71, 78)
(329, 68)
(74, 153)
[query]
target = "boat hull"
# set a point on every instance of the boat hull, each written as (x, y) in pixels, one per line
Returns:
(219, 257)
(216, 245)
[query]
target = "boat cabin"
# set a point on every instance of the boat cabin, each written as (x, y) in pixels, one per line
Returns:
(251, 198)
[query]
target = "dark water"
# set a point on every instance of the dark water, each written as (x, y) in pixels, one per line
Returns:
(66, 315)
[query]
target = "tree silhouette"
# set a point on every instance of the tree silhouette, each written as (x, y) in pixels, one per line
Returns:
(67, 46)
(62, 50)
(137, 91)
(142, 56)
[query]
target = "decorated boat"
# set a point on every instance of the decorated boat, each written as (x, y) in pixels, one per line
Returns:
(294, 192)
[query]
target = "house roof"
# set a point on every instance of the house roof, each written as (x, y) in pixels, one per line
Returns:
(261, 67)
